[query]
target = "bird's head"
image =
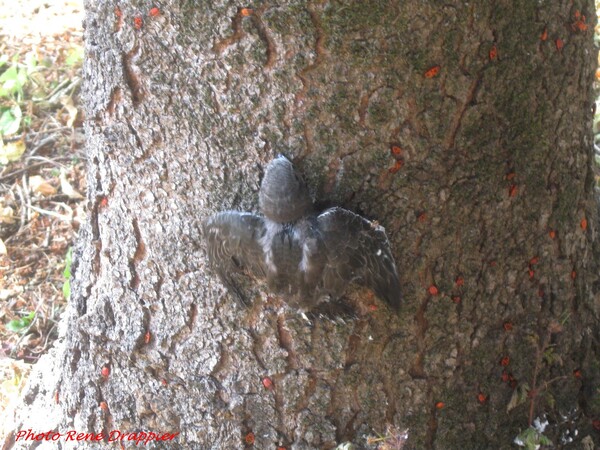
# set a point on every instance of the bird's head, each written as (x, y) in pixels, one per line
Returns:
(284, 197)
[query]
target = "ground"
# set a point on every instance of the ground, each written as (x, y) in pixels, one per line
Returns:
(41, 190)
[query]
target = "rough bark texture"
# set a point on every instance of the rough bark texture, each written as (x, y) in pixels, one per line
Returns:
(486, 202)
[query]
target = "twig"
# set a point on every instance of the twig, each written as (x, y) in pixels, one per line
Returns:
(534, 392)
(22, 218)
(49, 213)
(25, 185)
(50, 161)
(48, 140)
(34, 166)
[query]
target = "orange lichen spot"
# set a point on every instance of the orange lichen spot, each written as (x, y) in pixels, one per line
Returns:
(432, 71)
(138, 22)
(103, 406)
(493, 52)
(397, 166)
(533, 261)
(583, 224)
(559, 44)
(460, 281)
(118, 12)
(396, 150)
(56, 397)
(164, 382)
(552, 234)
(440, 405)
(456, 299)
(267, 383)
(505, 361)
(103, 202)
(579, 23)
(105, 371)
(422, 217)
(154, 12)
(505, 376)
(544, 35)
(577, 374)
(508, 326)
(246, 12)
(147, 337)
(512, 190)
(249, 439)
(510, 176)
(372, 307)
(433, 290)
(531, 274)
(482, 398)
(573, 275)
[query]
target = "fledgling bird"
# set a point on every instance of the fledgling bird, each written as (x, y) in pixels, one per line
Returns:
(304, 256)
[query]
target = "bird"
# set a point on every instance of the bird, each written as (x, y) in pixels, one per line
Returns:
(306, 257)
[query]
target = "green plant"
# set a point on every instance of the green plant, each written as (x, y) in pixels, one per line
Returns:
(531, 438)
(12, 91)
(393, 439)
(545, 355)
(17, 325)
(345, 446)
(67, 274)
(75, 56)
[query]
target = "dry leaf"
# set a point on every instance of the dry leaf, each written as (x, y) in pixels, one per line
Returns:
(66, 187)
(40, 186)
(67, 103)
(5, 294)
(11, 151)
(7, 215)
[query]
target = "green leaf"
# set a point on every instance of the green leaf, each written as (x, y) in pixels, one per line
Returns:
(31, 62)
(531, 439)
(519, 396)
(67, 289)
(17, 325)
(9, 74)
(75, 56)
(8, 81)
(67, 273)
(10, 120)
(12, 80)
(68, 260)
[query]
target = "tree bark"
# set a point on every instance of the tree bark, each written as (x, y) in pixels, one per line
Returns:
(464, 128)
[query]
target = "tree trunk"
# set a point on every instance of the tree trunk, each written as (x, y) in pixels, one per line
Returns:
(464, 128)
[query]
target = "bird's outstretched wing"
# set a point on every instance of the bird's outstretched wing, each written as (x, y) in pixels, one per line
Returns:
(357, 251)
(233, 244)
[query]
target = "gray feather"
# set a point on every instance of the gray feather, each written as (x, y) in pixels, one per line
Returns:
(357, 251)
(303, 256)
(233, 244)
(283, 196)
